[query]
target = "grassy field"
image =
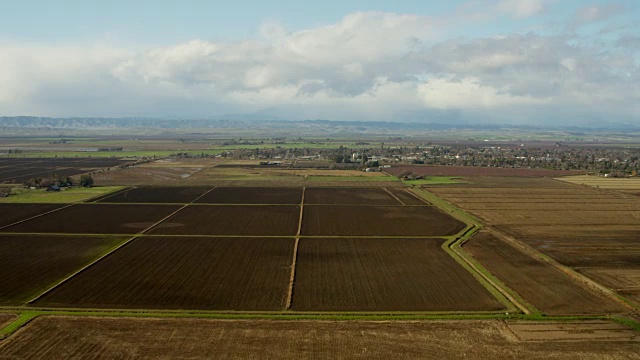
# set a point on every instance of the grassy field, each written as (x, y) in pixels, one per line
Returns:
(71, 195)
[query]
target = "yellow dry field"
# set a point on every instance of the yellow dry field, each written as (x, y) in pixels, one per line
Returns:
(126, 338)
(632, 183)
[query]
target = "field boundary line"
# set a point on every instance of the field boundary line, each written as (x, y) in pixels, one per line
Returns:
(199, 197)
(108, 195)
(21, 320)
(454, 248)
(394, 196)
(582, 279)
(294, 261)
(123, 244)
(37, 216)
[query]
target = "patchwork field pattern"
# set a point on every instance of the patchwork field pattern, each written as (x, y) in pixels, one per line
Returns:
(384, 274)
(543, 286)
(233, 249)
(184, 273)
(594, 231)
(30, 264)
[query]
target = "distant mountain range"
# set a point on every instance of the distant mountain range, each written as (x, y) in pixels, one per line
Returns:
(270, 124)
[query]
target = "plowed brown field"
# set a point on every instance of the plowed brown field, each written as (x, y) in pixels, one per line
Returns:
(30, 264)
(345, 220)
(96, 219)
(11, 213)
(546, 288)
(184, 273)
(156, 195)
(384, 275)
(278, 220)
(253, 195)
(352, 196)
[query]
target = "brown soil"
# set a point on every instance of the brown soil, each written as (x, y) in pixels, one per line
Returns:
(96, 219)
(20, 171)
(12, 213)
(345, 220)
(545, 287)
(407, 197)
(30, 264)
(184, 273)
(371, 196)
(384, 275)
(278, 220)
(126, 338)
(253, 195)
(156, 195)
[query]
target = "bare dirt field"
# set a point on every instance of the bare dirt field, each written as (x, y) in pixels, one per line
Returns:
(96, 219)
(601, 182)
(20, 170)
(184, 273)
(442, 170)
(278, 220)
(30, 264)
(345, 220)
(384, 275)
(592, 230)
(12, 213)
(67, 337)
(371, 196)
(253, 195)
(156, 195)
(543, 286)
(407, 197)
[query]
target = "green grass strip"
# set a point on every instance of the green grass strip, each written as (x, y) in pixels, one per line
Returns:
(16, 324)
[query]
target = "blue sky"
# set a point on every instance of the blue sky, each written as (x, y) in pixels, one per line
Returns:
(518, 61)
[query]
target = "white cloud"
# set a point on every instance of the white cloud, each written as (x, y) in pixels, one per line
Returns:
(522, 8)
(368, 66)
(595, 13)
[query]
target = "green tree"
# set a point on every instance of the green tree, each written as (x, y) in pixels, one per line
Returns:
(86, 180)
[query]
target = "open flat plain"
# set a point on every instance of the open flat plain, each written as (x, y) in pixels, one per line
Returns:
(592, 230)
(128, 338)
(293, 247)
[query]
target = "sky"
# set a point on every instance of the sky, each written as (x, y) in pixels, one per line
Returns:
(537, 62)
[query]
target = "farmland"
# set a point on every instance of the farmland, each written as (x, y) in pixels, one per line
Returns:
(156, 194)
(279, 220)
(20, 170)
(95, 219)
(29, 264)
(592, 231)
(223, 274)
(374, 196)
(194, 247)
(351, 220)
(382, 275)
(253, 195)
(88, 337)
(12, 213)
(543, 286)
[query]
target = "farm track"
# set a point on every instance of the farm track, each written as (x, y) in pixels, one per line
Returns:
(295, 256)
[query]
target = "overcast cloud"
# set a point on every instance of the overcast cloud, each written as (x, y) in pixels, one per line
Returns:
(367, 66)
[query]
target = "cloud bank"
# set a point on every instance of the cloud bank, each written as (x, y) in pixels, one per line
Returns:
(367, 66)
